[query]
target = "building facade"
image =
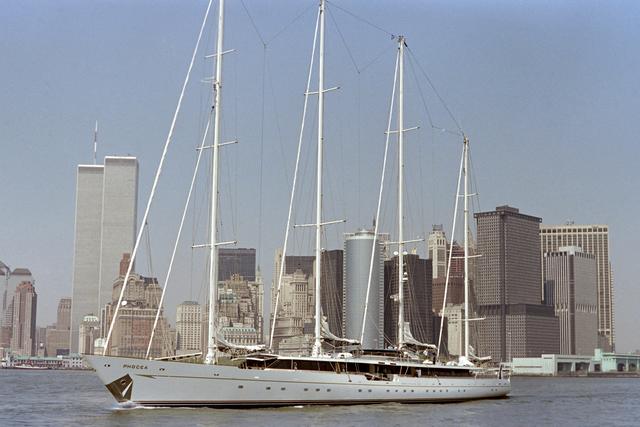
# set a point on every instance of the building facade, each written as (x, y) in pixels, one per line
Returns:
(508, 292)
(88, 334)
(136, 317)
(188, 327)
(357, 264)
(417, 299)
(105, 228)
(572, 273)
(240, 261)
(594, 240)
(23, 331)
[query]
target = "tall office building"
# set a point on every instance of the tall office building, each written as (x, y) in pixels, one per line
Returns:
(57, 336)
(241, 261)
(572, 273)
(188, 327)
(417, 299)
(594, 240)
(437, 245)
(23, 331)
(105, 228)
(136, 317)
(12, 280)
(357, 263)
(508, 291)
(5, 326)
(331, 293)
(88, 334)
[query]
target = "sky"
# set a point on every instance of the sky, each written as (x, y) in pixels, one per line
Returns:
(547, 91)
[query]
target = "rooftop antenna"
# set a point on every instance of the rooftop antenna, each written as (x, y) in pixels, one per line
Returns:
(95, 144)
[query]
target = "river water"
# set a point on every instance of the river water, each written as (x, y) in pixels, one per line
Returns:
(76, 398)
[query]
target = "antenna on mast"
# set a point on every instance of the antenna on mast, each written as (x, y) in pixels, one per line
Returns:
(95, 144)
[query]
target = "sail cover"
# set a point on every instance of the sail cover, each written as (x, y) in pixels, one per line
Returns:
(410, 340)
(328, 336)
(251, 348)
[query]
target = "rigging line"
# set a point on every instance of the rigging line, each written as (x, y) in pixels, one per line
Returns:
(474, 181)
(344, 42)
(177, 241)
(376, 58)
(377, 224)
(293, 184)
(261, 161)
(277, 123)
(253, 23)
(361, 19)
(424, 102)
(148, 243)
(286, 27)
(453, 231)
(157, 178)
(444, 104)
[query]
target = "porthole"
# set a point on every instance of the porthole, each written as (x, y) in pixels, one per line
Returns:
(306, 389)
(328, 390)
(359, 390)
(268, 388)
(317, 389)
(240, 386)
(369, 390)
(283, 388)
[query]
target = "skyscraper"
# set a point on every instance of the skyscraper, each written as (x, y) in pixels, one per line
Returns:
(331, 294)
(105, 227)
(572, 273)
(241, 261)
(594, 240)
(58, 336)
(136, 317)
(12, 280)
(357, 262)
(23, 331)
(417, 299)
(188, 327)
(508, 290)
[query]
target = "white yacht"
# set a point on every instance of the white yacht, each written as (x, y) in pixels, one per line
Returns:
(407, 374)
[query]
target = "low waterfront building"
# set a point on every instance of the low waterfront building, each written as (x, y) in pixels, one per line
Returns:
(563, 364)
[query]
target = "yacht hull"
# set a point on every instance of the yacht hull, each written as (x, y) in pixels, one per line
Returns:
(170, 383)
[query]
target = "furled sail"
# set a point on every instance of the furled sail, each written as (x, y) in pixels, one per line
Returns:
(329, 336)
(224, 344)
(411, 341)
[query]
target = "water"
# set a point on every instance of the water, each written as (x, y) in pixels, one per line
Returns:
(73, 398)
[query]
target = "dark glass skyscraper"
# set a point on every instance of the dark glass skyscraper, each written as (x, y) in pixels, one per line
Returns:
(508, 290)
(240, 261)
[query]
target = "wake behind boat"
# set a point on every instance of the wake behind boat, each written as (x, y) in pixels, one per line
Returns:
(407, 373)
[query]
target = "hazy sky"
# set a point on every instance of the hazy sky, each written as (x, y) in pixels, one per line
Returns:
(548, 92)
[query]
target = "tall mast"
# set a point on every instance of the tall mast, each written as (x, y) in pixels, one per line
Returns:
(401, 43)
(317, 345)
(466, 248)
(213, 244)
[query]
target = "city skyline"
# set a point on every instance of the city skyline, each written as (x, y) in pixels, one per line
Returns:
(539, 123)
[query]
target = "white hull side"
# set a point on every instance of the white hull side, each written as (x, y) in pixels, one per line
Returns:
(163, 383)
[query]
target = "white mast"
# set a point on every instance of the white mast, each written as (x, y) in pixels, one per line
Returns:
(466, 248)
(400, 191)
(213, 244)
(317, 344)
